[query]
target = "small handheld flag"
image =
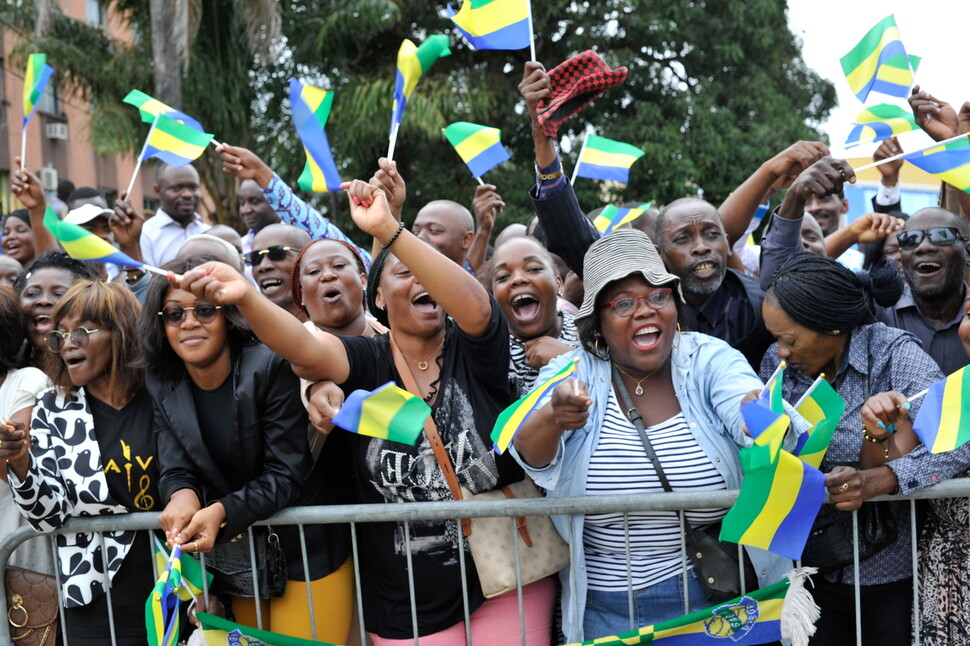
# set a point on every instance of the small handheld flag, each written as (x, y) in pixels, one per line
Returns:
(783, 610)
(866, 67)
(162, 606)
(494, 24)
(222, 632)
(191, 571)
(412, 63)
(388, 413)
(880, 122)
(511, 419)
(613, 217)
(771, 395)
(943, 421)
(36, 77)
(949, 161)
(480, 147)
(310, 108)
(174, 143)
(776, 505)
(606, 159)
(149, 108)
(768, 430)
(823, 407)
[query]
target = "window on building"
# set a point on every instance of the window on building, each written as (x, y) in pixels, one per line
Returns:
(94, 13)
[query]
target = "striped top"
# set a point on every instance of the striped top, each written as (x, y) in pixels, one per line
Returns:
(520, 371)
(618, 465)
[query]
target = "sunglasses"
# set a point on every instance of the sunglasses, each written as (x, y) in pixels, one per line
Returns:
(204, 313)
(627, 305)
(940, 236)
(79, 336)
(275, 254)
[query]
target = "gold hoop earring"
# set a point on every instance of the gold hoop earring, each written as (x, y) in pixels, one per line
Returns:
(600, 353)
(678, 328)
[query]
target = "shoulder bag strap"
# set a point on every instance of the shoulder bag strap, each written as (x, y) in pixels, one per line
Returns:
(430, 431)
(637, 420)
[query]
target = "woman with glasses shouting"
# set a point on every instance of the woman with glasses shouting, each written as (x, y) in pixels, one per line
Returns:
(232, 450)
(651, 409)
(92, 453)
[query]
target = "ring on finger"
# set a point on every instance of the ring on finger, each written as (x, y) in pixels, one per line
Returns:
(844, 487)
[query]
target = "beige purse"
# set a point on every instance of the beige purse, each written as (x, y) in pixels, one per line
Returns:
(542, 552)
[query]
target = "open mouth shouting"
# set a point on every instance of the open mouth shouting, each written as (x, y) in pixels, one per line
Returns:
(331, 295)
(646, 338)
(270, 286)
(705, 269)
(526, 307)
(424, 304)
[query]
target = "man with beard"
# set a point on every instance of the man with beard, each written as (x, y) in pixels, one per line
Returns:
(179, 195)
(934, 252)
(723, 302)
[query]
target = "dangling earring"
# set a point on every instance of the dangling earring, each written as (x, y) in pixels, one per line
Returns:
(676, 343)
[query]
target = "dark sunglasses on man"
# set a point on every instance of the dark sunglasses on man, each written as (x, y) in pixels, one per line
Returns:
(940, 236)
(275, 254)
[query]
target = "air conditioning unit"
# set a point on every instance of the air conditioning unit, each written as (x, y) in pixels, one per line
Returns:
(56, 131)
(48, 177)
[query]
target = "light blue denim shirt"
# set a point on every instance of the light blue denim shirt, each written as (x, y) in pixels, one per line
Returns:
(710, 379)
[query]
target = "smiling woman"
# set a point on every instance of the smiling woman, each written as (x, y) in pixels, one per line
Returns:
(92, 453)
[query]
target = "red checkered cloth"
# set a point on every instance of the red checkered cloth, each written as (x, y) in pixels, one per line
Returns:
(575, 83)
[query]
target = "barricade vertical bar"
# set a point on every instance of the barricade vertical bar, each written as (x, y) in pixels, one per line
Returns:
(60, 589)
(855, 574)
(414, 604)
(744, 584)
(572, 582)
(518, 580)
(360, 596)
(151, 548)
(629, 571)
(205, 581)
(309, 586)
(915, 556)
(464, 582)
(683, 556)
(107, 589)
(252, 563)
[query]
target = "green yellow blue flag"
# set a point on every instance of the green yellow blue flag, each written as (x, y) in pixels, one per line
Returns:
(412, 63)
(823, 408)
(388, 413)
(191, 570)
(36, 77)
(480, 147)
(613, 217)
(149, 108)
(771, 394)
(776, 505)
(866, 67)
(607, 159)
(768, 429)
(81, 244)
(950, 162)
(783, 610)
(310, 107)
(222, 632)
(943, 421)
(880, 122)
(511, 419)
(173, 142)
(162, 606)
(494, 24)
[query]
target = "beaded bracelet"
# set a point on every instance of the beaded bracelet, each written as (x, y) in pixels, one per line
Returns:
(869, 438)
(400, 227)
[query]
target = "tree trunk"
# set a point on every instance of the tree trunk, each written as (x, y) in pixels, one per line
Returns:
(168, 37)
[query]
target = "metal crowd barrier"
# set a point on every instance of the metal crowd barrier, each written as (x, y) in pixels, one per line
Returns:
(412, 512)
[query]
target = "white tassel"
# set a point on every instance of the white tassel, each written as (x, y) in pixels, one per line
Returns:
(799, 611)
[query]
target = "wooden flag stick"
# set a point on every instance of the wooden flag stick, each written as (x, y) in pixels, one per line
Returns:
(902, 155)
(918, 395)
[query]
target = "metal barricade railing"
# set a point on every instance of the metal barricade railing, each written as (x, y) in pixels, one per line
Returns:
(451, 511)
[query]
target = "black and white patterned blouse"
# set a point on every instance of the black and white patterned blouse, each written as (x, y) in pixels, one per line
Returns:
(520, 371)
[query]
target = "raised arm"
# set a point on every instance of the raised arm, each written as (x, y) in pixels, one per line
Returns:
(28, 189)
(487, 204)
(458, 293)
(868, 228)
(736, 211)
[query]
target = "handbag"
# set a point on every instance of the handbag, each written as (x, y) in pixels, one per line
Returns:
(233, 567)
(715, 562)
(829, 545)
(32, 607)
(542, 551)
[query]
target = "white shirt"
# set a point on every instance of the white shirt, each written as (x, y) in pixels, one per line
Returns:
(162, 237)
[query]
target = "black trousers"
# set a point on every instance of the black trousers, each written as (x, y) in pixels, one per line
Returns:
(886, 614)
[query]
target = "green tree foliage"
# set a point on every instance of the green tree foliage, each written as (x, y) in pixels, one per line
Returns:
(714, 89)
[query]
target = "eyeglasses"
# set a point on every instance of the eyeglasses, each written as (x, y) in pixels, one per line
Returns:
(941, 236)
(627, 305)
(275, 253)
(79, 336)
(204, 313)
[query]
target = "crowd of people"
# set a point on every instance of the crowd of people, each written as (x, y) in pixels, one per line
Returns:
(208, 395)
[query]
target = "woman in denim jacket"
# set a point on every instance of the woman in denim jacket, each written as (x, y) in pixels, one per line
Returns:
(688, 388)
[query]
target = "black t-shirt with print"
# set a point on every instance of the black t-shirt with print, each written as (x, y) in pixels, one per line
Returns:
(473, 389)
(128, 452)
